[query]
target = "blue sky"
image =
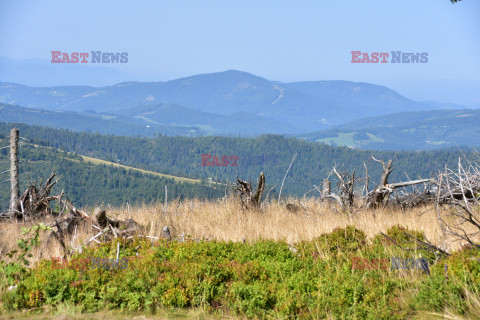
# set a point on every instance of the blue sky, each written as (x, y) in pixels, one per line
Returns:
(278, 40)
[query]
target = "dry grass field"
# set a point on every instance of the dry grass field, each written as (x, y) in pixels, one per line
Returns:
(224, 220)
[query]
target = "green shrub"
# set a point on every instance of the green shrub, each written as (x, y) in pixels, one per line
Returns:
(349, 239)
(398, 234)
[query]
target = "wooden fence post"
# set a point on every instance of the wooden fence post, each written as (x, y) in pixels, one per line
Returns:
(14, 185)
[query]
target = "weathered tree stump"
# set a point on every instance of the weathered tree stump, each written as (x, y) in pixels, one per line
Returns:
(247, 197)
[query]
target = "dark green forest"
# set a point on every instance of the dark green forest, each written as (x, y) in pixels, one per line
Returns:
(181, 156)
(90, 185)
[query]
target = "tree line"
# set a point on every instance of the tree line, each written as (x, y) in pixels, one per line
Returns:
(182, 156)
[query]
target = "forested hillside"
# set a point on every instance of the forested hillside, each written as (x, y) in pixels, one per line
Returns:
(93, 122)
(181, 156)
(89, 185)
(418, 130)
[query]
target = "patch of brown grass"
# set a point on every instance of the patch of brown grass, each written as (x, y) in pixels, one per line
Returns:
(224, 220)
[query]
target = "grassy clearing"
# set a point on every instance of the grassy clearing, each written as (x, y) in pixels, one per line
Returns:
(96, 161)
(342, 139)
(374, 138)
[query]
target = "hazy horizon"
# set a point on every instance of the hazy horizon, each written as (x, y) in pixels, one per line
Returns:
(281, 41)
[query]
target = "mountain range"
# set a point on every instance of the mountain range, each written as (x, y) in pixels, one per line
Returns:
(235, 103)
(307, 105)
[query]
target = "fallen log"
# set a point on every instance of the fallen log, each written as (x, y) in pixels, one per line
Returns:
(393, 186)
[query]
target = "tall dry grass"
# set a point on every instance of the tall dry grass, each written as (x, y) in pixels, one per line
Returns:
(224, 220)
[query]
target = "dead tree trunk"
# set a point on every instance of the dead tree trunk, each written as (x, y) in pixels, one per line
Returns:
(326, 188)
(345, 186)
(382, 192)
(257, 197)
(14, 185)
(247, 197)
